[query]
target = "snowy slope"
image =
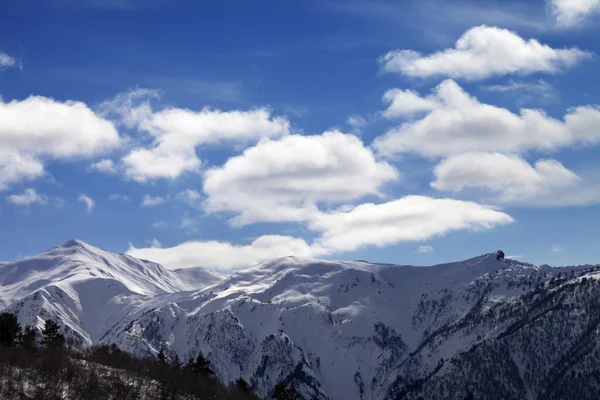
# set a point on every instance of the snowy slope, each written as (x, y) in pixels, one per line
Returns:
(200, 277)
(485, 327)
(87, 288)
(340, 330)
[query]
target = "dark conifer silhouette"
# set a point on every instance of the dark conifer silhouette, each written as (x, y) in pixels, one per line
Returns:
(282, 392)
(52, 335)
(10, 330)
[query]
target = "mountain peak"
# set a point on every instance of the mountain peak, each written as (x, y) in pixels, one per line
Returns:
(72, 243)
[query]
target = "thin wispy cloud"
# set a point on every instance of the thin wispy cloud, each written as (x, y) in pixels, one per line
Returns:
(88, 202)
(527, 92)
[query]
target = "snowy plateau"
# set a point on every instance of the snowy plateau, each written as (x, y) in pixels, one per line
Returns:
(484, 328)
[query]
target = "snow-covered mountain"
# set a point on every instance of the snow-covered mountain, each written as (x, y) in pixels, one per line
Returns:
(486, 327)
(87, 288)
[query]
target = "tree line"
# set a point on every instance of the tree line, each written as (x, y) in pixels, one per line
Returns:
(36, 366)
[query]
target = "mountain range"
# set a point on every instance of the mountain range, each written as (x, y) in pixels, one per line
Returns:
(487, 327)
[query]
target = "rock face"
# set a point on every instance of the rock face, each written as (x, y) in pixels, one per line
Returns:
(486, 327)
(499, 255)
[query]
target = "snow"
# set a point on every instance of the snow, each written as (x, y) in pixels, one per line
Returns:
(87, 288)
(347, 325)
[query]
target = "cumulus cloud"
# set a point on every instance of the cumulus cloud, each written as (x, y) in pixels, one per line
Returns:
(28, 198)
(286, 179)
(106, 166)
(88, 201)
(57, 129)
(483, 52)
(571, 13)
(37, 128)
(496, 171)
(16, 167)
(412, 218)
(407, 102)
(149, 201)
(514, 181)
(177, 133)
(461, 124)
(223, 255)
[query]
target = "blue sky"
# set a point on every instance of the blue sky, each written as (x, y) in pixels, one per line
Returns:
(225, 133)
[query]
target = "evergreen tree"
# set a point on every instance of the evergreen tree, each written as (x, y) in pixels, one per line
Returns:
(241, 384)
(162, 358)
(51, 333)
(201, 366)
(282, 392)
(176, 363)
(10, 329)
(29, 338)
(243, 389)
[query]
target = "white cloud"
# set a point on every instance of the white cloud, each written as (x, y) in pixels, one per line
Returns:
(189, 197)
(38, 128)
(407, 102)
(223, 255)
(7, 61)
(29, 197)
(177, 133)
(512, 180)
(425, 249)
(149, 201)
(17, 167)
(106, 166)
(570, 13)
(119, 197)
(483, 52)
(512, 175)
(143, 165)
(356, 123)
(556, 249)
(88, 201)
(129, 108)
(285, 180)
(155, 244)
(462, 124)
(47, 127)
(527, 91)
(412, 218)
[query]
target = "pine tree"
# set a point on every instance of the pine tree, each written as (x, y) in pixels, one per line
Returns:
(201, 366)
(282, 392)
(243, 390)
(52, 335)
(162, 358)
(241, 384)
(176, 363)
(29, 338)
(10, 329)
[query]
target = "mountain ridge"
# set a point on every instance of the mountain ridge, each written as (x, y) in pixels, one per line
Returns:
(340, 329)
